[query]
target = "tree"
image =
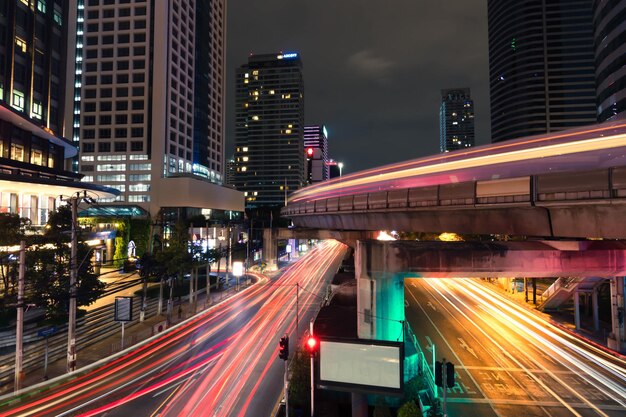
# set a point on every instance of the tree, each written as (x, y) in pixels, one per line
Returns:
(409, 409)
(48, 264)
(381, 409)
(300, 382)
(12, 227)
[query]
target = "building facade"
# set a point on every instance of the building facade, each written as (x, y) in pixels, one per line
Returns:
(316, 147)
(541, 66)
(151, 98)
(269, 144)
(609, 21)
(456, 120)
(35, 36)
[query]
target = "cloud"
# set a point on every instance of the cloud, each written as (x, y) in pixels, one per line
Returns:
(369, 65)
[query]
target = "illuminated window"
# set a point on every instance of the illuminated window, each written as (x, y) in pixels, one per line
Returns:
(287, 131)
(244, 169)
(58, 19)
(1, 91)
(272, 92)
(245, 159)
(17, 152)
(26, 2)
(255, 117)
(246, 75)
(245, 149)
(21, 44)
(41, 6)
(36, 113)
(36, 157)
(18, 100)
(255, 72)
(50, 161)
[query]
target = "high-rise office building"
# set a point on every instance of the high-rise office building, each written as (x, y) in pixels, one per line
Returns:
(269, 152)
(316, 144)
(34, 38)
(541, 66)
(456, 120)
(33, 57)
(150, 100)
(610, 54)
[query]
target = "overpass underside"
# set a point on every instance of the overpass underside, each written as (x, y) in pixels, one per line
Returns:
(381, 268)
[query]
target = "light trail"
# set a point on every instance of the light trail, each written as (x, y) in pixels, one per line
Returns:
(207, 362)
(495, 317)
(602, 139)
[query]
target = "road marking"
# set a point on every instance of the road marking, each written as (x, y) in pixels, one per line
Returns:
(466, 347)
(429, 346)
(156, 394)
(431, 305)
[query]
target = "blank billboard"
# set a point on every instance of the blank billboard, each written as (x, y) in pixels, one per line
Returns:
(368, 365)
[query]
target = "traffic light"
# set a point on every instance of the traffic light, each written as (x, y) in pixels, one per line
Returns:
(438, 374)
(450, 375)
(311, 345)
(283, 352)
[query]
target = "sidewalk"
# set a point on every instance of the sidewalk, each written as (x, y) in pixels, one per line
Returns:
(133, 334)
(563, 318)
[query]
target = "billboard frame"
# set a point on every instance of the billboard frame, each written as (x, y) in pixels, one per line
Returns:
(361, 388)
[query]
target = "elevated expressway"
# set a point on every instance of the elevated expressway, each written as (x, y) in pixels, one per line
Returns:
(560, 188)
(570, 184)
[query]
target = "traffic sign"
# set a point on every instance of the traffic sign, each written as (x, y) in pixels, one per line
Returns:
(47, 332)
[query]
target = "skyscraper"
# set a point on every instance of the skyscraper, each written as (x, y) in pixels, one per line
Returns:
(34, 38)
(151, 99)
(541, 66)
(316, 138)
(269, 132)
(456, 120)
(33, 60)
(610, 55)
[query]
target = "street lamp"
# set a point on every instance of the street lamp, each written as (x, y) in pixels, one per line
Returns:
(340, 165)
(74, 201)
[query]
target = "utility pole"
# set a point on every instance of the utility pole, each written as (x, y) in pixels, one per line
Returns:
(19, 331)
(312, 376)
(71, 327)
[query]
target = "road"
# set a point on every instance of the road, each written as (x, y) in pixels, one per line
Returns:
(509, 360)
(223, 362)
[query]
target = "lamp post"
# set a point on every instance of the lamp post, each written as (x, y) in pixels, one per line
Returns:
(74, 201)
(340, 165)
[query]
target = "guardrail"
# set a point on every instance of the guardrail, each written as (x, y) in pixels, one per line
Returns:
(544, 189)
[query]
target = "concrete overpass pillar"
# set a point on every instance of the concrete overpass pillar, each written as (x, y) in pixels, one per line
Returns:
(577, 309)
(270, 249)
(379, 273)
(595, 309)
(617, 338)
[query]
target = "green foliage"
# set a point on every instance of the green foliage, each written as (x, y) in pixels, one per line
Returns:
(140, 234)
(48, 268)
(381, 409)
(300, 382)
(409, 409)
(412, 387)
(175, 257)
(122, 237)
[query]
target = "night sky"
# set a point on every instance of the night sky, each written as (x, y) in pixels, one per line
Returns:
(373, 70)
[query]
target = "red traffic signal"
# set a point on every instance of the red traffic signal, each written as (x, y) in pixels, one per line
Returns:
(283, 352)
(309, 152)
(311, 345)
